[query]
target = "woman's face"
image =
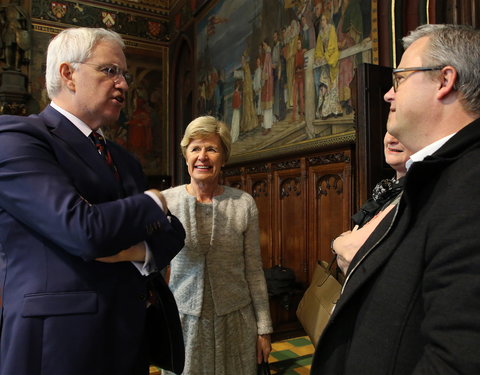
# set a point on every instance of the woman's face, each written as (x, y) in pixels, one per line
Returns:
(205, 158)
(323, 21)
(396, 154)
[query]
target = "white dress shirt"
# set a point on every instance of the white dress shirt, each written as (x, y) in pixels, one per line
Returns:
(427, 151)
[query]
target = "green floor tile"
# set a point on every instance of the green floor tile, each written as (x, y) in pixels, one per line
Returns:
(281, 355)
(305, 361)
(301, 341)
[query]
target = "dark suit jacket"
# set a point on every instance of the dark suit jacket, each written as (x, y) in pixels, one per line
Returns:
(60, 208)
(411, 304)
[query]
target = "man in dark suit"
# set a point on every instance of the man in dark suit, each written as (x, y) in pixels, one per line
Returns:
(410, 303)
(77, 232)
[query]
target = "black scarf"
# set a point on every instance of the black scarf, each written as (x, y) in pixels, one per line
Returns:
(383, 194)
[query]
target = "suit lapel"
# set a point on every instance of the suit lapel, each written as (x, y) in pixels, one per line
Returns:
(63, 129)
(128, 180)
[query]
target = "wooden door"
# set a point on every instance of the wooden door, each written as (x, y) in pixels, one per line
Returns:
(329, 186)
(370, 84)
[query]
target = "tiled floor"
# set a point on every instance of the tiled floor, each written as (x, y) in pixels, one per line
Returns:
(288, 357)
(292, 356)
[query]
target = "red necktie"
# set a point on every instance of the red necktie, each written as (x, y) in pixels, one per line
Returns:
(102, 149)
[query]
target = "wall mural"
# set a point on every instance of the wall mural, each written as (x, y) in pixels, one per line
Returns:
(278, 71)
(139, 128)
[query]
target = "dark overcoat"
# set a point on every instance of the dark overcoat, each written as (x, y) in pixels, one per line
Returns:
(411, 303)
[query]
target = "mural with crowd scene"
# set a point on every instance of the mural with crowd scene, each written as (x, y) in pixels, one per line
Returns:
(278, 72)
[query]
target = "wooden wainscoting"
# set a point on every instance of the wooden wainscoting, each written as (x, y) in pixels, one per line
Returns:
(304, 202)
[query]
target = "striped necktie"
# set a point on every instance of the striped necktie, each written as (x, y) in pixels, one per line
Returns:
(102, 149)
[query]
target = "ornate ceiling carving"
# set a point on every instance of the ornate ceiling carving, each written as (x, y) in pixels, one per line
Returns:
(138, 21)
(152, 6)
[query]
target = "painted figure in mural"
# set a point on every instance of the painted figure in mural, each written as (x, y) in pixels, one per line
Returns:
(299, 82)
(118, 132)
(278, 61)
(248, 118)
(275, 67)
(209, 91)
(202, 98)
(218, 94)
(285, 54)
(317, 12)
(156, 107)
(236, 105)
(326, 57)
(15, 36)
(349, 32)
(308, 32)
(267, 89)
(257, 88)
(140, 130)
(293, 33)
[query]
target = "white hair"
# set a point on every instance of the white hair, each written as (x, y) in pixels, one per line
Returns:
(70, 46)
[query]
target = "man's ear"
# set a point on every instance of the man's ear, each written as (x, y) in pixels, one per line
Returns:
(448, 78)
(66, 74)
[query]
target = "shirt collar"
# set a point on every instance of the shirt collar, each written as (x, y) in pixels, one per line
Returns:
(427, 151)
(84, 128)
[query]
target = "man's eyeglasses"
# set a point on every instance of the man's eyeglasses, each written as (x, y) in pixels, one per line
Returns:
(397, 79)
(112, 71)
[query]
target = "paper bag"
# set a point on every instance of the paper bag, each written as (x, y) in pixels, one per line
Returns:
(318, 302)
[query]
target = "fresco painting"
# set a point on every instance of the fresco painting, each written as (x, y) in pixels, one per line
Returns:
(279, 71)
(140, 128)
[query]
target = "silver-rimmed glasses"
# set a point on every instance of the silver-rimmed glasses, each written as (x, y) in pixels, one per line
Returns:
(397, 79)
(112, 71)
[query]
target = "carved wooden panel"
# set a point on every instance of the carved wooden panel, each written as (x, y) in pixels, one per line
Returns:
(290, 218)
(234, 178)
(258, 185)
(329, 209)
(236, 183)
(303, 203)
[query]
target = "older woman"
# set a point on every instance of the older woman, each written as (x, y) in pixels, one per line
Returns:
(384, 198)
(217, 278)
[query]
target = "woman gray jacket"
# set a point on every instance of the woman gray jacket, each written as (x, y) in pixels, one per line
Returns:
(234, 257)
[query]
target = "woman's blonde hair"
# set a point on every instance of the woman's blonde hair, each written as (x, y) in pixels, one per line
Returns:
(205, 126)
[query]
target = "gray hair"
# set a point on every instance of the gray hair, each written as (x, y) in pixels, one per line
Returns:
(73, 45)
(457, 46)
(204, 126)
